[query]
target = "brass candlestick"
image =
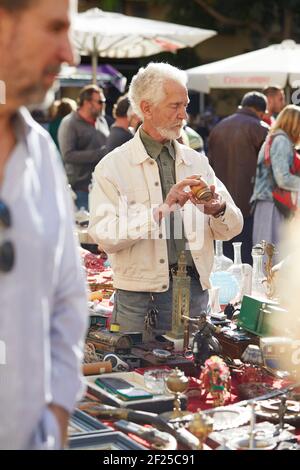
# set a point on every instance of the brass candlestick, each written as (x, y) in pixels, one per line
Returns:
(177, 383)
(201, 426)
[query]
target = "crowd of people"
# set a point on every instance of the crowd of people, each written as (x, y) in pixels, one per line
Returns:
(137, 179)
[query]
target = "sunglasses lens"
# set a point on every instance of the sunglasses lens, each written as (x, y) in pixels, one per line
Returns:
(7, 257)
(5, 219)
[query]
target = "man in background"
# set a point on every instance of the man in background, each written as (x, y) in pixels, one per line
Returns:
(233, 147)
(82, 136)
(119, 131)
(276, 102)
(42, 293)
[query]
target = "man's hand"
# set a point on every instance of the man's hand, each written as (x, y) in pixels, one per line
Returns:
(214, 206)
(62, 417)
(176, 196)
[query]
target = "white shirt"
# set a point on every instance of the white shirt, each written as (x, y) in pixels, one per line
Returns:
(42, 299)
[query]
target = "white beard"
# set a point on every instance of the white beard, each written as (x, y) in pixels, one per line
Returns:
(168, 133)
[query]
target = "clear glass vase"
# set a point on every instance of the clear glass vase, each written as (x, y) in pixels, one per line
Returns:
(221, 262)
(237, 268)
(258, 275)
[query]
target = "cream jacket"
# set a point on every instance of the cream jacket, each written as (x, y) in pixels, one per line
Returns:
(126, 189)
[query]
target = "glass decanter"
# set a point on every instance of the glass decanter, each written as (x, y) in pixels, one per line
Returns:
(237, 268)
(258, 275)
(221, 262)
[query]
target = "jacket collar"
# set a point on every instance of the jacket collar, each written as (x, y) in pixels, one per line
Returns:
(139, 154)
(248, 112)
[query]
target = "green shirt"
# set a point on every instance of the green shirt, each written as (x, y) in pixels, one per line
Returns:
(165, 157)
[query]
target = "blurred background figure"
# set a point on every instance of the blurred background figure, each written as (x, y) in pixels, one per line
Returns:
(275, 161)
(191, 138)
(233, 147)
(60, 109)
(276, 102)
(82, 137)
(119, 131)
(134, 120)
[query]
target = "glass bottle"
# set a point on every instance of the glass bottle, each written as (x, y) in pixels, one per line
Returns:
(221, 262)
(237, 268)
(258, 275)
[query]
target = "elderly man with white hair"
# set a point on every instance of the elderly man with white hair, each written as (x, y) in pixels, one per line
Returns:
(144, 214)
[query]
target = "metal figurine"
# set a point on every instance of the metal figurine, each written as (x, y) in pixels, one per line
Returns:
(204, 343)
(181, 298)
(270, 251)
(281, 412)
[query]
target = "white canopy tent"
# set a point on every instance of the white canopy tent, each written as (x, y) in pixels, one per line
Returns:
(104, 34)
(278, 64)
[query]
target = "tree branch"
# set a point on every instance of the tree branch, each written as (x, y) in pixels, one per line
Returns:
(225, 20)
(287, 24)
(218, 16)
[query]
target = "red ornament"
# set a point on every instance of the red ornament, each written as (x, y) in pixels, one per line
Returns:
(215, 379)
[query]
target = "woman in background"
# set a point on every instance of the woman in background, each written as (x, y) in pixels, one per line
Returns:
(275, 168)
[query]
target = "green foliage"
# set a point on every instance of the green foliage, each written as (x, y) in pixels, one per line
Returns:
(272, 20)
(111, 5)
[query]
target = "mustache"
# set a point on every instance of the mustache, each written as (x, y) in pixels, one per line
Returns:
(52, 69)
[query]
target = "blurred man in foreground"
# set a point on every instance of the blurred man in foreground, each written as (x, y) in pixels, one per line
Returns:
(42, 294)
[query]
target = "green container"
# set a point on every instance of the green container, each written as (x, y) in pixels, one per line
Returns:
(251, 318)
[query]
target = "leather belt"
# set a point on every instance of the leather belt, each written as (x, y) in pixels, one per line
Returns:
(191, 271)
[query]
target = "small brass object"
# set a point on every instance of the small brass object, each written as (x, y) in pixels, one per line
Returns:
(177, 383)
(201, 426)
(202, 192)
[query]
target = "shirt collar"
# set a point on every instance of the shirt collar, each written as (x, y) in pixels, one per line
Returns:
(23, 123)
(153, 147)
(140, 155)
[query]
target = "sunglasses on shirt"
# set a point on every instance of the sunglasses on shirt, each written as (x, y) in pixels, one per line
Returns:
(7, 253)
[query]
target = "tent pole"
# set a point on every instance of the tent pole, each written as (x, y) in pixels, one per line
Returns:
(201, 102)
(287, 92)
(94, 60)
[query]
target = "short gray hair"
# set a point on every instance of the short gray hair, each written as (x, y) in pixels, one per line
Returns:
(148, 83)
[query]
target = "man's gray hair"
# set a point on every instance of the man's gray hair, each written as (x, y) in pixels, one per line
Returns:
(148, 84)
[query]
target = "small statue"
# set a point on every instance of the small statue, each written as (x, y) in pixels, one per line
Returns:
(281, 412)
(204, 343)
(270, 252)
(215, 379)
